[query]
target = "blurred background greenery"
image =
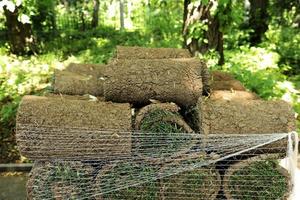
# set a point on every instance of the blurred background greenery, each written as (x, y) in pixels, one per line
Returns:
(258, 41)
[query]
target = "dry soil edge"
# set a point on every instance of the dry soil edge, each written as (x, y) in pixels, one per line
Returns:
(126, 52)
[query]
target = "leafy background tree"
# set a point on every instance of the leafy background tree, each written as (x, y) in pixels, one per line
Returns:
(255, 40)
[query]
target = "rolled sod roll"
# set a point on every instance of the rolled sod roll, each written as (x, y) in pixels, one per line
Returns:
(248, 117)
(79, 79)
(245, 117)
(127, 180)
(259, 177)
(50, 127)
(59, 180)
(225, 81)
(166, 80)
(161, 133)
(184, 179)
(232, 95)
(227, 85)
(221, 76)
(124, 52)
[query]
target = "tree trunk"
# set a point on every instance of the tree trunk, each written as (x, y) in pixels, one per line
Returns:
(82, 19)
(95, 19)
(121, 14)
(185, 15)
(214, 37)
(21, 40)
(258, 20)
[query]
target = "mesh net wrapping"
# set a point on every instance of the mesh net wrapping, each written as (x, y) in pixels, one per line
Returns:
(215, 167)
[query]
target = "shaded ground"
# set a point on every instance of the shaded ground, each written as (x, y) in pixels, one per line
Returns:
(12, 186)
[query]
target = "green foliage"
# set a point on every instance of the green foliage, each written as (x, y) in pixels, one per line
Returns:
(164, 22)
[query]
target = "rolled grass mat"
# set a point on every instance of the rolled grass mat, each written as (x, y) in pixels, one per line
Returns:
(79, 79)
(186, 179)
(127, 180)
(166, 80)
(232, 95)
(259, 177)
(78, 129)
(227, 85)
(125, 52)
(161, 133)
(59, 181)
(245, 117)
(221, 76)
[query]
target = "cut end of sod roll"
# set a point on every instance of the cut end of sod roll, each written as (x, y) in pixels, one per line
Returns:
(161, 133)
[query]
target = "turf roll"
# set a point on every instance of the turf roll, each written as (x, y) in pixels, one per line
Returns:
(126, 180)
(245, 116)
(126, 52)
(221, 76)
(259, 177)
(227, 85)
(186, 179)
(232, 95)
(79, 79)
(53, 127)
(161, 133)
(166, 80)
(60, 180)
(224, 81)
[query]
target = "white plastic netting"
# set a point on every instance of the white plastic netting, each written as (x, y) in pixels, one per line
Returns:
(112, 164)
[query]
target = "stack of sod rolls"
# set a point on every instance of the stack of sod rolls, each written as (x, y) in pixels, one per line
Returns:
(130, 136)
